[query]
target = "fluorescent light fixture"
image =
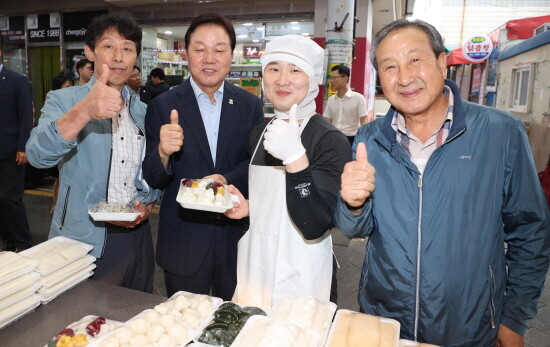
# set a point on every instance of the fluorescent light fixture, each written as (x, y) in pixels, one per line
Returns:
(296, 28)
(255, 40)
(293, 22)
(168, 32)
(305, 34)
(260, 28)
(242, 36)
(248, 24)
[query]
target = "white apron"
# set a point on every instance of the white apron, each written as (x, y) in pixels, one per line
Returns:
(273, 258)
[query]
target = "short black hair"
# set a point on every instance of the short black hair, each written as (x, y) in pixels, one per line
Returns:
(58, 81)
(137, 67)
(436, 41)
(81, 63)
(214, 19)
(343, 70)
(158, 72)
(124, 24)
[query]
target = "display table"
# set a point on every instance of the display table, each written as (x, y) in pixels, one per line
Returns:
(88, 298)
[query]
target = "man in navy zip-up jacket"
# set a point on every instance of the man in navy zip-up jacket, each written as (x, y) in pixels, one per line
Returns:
(454, 182)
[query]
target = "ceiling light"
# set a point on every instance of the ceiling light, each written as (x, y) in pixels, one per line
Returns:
(242, 36)
(260, 28)
(296, 28)
(305, 34)
(248, 24)
(168, 32)
(255, 40)
(293, 22)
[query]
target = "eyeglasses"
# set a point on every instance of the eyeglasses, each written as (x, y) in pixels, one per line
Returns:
(333, 77)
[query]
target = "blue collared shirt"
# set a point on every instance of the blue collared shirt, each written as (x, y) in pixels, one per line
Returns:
(211, 114)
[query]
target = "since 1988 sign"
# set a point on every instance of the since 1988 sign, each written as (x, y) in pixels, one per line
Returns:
(477, 48)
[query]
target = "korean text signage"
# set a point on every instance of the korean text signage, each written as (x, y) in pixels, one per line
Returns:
(75, 24)
(12, 30)
(43, 27)
(477, 48)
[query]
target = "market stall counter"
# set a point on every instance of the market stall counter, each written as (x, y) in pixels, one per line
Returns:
(88, 298)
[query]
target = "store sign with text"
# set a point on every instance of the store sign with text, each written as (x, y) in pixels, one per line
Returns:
(12, 30)
(76, 23)
(43, 27)
(477, 48)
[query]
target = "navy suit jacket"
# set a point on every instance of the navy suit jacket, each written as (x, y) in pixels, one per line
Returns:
(184, 234)
(16, 116)
(144, 95)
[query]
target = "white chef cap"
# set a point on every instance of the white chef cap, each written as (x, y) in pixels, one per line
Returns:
(305, 54)
(298, 50)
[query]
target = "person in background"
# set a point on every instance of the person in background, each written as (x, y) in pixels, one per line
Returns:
(297, 159)
(95, 133)
(16, 120)
(58, 82)
(346, 109)
(134, 82)
(157, 86)
(455, 181)
(85, 71)
(200, 129)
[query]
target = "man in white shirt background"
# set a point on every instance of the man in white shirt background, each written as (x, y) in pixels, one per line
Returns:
(346, 109)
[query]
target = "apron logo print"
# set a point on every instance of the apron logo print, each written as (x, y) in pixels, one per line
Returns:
(303, 189)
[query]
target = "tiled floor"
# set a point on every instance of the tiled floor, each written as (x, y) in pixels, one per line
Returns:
(350, 256)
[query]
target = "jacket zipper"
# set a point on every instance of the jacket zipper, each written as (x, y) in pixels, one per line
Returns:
(107, 187)
(492, 306)
(65, 204)
(419, 234)
(142, 155)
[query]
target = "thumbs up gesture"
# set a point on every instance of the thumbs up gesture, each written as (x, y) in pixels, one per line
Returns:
(282, 139)
(171, 136)
(358, 178)
(103, 101)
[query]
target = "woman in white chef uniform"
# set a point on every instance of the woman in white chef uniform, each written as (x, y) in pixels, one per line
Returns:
(294, 178)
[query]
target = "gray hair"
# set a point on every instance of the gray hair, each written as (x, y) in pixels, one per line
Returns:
(436, 41)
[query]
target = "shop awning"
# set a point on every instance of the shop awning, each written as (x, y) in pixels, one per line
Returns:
(523, 28)
(455, 57)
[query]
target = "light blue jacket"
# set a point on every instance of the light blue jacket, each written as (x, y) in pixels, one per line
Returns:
(435, 257)
(84, 165)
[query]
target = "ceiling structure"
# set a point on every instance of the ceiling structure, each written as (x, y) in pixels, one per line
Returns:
(180, 12)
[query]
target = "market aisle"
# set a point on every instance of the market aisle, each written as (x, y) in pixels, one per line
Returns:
(349, 254)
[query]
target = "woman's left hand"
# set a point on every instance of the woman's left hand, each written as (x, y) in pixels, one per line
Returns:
(240, 209)
(282, 139)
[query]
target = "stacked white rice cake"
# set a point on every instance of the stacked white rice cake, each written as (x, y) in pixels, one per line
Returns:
(295, 320)
(62, 264)
(18, 286)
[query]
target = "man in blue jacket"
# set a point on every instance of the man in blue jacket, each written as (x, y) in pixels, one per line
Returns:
(454, 182)
(95, 133)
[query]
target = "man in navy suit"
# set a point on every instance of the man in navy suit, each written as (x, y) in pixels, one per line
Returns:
(200, 129)
(15, 126)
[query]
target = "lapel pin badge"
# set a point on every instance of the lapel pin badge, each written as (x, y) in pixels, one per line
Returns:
(230, 101)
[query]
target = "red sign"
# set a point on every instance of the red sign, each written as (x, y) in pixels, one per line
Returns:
(252, 51)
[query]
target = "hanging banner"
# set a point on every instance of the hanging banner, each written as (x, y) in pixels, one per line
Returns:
(75, 24)
(12, 30)
(43, 27)
(477, 48)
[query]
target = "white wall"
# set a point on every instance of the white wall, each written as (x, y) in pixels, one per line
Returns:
(540, 101)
